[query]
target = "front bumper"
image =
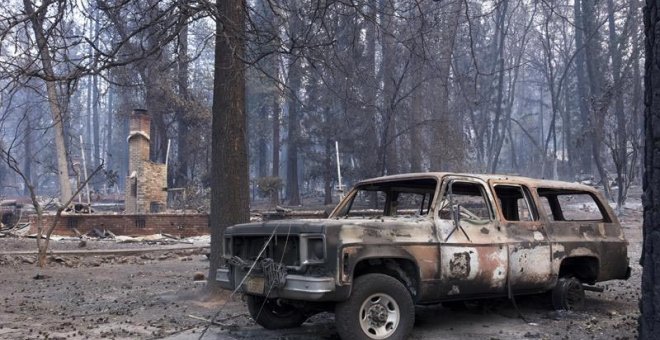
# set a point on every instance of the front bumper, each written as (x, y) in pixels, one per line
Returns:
(296, 287)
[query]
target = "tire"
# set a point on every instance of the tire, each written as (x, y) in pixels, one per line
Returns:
(568, 294)
(380, 307)
(271, 314)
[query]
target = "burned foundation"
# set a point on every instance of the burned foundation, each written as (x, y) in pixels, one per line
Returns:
(179, 225)
(145, 205)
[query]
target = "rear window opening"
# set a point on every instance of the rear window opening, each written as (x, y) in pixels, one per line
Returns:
(514, 203)
(571, 205)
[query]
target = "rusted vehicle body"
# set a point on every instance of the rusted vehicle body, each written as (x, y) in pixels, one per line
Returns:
(398, 241)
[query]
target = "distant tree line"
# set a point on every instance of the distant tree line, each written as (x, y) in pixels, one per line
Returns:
(547, 89)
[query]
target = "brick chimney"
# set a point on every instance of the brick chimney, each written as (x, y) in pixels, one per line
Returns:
(138, 139)
(146, 185)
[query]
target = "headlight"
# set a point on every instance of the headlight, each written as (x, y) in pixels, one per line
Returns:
(315, 249)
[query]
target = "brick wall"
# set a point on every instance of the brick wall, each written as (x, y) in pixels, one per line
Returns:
(154, 186)
(182, 225)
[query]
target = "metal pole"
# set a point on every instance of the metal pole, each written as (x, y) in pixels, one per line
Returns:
(82, 151)
(78, 185)
(167, 155)
(341, 188)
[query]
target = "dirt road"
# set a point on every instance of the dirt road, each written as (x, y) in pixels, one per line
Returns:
(153, 295)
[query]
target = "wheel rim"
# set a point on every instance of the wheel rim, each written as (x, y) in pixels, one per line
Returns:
(379, 316)
(574, 295)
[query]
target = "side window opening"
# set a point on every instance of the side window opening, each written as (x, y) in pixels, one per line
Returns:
(571, 205)
(471, 197)
(514, 203)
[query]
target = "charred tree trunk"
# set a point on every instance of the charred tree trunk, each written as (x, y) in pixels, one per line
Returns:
(27, 166)
(500, 36)
(599, 101)
(157, 107)
(96, 119)
(87, 146)
(108, 128)
(649, 321)
(56, 109)
(229, 184)
(369, 158)
(275, 172)
(417, 113)
(276, 132)
(327, 172)
(620, 152)
(262, 145)
(293, 136)
(583, 142)
(447, 125)
(388, 147)
(183, 152)
(637, 131)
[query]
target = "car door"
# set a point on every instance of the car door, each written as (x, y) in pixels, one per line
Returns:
(473, 256)
(529, 249)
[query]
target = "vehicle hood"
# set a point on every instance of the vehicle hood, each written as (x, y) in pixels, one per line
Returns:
(349, 229)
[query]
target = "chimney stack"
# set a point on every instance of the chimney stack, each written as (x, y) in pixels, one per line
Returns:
(138, 139)
(146, 184)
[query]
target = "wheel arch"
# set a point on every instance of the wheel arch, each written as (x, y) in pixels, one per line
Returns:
(402, 268)
(585, 268)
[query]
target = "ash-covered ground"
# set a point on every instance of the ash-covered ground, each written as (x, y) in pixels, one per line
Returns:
(153, 295)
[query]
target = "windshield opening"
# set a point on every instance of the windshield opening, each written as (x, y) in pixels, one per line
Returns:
(393, 198)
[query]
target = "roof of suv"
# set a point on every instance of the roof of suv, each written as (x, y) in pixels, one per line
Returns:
(485, 177)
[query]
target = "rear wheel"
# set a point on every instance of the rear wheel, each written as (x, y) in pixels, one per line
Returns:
(568, 294)
(273, 313)
(380, 307)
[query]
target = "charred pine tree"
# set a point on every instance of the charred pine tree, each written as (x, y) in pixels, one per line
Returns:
(294, 82)
(599, 96)
(388, 161)
(620, 150)
(583, 142)
(229, 184)
(37, 21)
(649, 321)
(293, 136)
(370, 112)
(183, 149)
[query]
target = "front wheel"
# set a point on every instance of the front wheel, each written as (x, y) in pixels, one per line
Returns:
(568, 294)
(380, 307)
(273, 314)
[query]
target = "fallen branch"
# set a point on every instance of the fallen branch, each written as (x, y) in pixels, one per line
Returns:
(218, 322)
(207, 320)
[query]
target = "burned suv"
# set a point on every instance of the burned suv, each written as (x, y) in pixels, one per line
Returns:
(399, 241)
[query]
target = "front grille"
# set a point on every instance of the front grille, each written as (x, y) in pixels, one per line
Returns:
(285, 249)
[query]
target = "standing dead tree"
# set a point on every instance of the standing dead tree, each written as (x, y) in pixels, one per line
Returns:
(38, 17)
(649, 321)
